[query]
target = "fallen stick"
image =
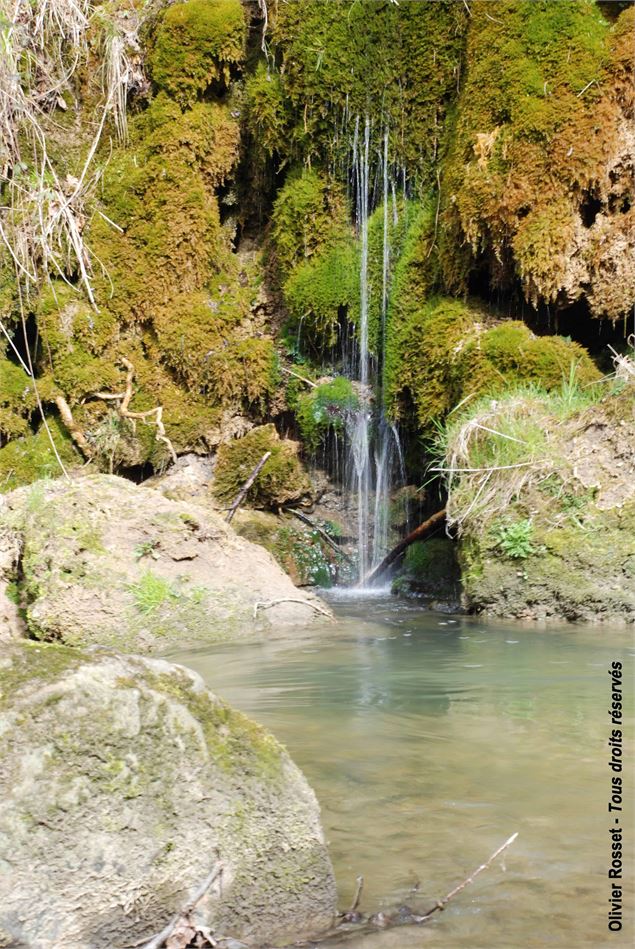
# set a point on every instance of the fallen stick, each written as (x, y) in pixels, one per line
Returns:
(267, 604)
(441, 904)
(413, 536)
(297, 375)
(329, 540)
(246, 486)
(157, 941)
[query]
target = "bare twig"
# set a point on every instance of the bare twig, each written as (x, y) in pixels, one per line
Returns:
(441, 904)
(73, 428)
(265, 605)
(417, 534)
(157, 941)
(297, 375)
(240, 497)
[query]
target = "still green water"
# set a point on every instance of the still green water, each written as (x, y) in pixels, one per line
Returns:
(429, 740)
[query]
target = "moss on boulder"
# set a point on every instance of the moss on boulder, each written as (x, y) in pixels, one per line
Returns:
(130, 773)
(196, 45)
(281, 480)
(551, 535)
(538, 164)
(448, 351)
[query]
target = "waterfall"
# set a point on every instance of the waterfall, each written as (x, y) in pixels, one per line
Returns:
(360, 438)
(374, 441)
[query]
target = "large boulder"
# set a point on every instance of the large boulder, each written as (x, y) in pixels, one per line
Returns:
(124, 784)
(100, 560)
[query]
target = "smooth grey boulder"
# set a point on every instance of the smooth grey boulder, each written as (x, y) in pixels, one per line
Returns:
(124, 782)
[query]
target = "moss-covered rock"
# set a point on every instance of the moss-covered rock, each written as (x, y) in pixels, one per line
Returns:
(197, 43)
(430, 571)
(448, 351)
(339, 59)
(27, 458)
(130, 772)
(547, 516)
(301, 550)
(99, 560)
(324, 409)
(281, 480)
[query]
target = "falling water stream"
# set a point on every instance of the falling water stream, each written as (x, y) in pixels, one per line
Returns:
(429, 740)
(375, 449)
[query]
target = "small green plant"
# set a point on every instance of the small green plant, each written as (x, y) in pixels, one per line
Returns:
(151, 591)
(515, 539)
(148, 548)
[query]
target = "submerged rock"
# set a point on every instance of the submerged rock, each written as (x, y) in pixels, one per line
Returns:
(100, 560)
(124, 784)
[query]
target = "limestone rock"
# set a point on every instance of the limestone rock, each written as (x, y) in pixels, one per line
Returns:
(124, 783)
(100, 560)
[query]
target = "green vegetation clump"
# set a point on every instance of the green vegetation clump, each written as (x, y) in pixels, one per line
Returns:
(339, 59)
(17, 401)
(30, 457)
(537, 118)
(322, 297)
(281, 480)
(430, 570)
(311, 213)
(449, 351)
(325, 408)
(196, 44)
(514, 538)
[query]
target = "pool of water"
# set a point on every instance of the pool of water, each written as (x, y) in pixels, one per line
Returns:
(429, 740)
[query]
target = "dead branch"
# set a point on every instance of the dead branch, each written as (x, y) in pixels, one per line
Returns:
(417, 534)
(240, 497)
(125, 398)
(329, 540)
(157, 941)
(441, 904)
(267, 604)
(297, 375)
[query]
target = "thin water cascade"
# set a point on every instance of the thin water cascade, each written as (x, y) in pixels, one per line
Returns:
(375, 449)
(360, 436)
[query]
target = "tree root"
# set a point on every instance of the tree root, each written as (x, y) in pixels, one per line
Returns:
(124, 399)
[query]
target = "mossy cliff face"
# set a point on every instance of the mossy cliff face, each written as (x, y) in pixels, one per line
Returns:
(539, 172)
(131, 773)
(171, 296)
(100, 561)
(552, 534)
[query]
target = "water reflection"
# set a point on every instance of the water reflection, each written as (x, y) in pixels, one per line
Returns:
(429, 741)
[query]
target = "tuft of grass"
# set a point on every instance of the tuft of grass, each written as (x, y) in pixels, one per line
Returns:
(150, 592)
(494, 449)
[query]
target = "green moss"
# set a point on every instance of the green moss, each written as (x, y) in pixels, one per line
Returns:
(26, 459)
(324, 409)
(339, 59)
(196, 44)
(535, 123)
(449, 351)
(32, 662)
(322, 296)
(17, 400)
(430, 569)
(310, 213)
(281, 480)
